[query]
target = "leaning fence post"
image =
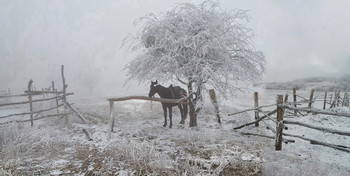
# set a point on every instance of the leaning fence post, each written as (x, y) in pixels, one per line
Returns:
(325, 100)
(311, 98)
(30, 101)
(111, 107)
(343, 102)
(256, 105)
(286, 98)
(295, 100)
(215, 103)
(279, 126)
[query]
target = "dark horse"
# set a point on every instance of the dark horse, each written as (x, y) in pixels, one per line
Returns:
(169, 93)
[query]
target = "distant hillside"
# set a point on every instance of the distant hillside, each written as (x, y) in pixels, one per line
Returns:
(318, 83)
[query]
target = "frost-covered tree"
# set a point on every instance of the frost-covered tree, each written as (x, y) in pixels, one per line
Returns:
(200, 46)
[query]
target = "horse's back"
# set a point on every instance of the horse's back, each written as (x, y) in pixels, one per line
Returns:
(178, 91)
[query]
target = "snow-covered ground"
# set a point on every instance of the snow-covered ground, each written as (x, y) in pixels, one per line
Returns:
(141, 145)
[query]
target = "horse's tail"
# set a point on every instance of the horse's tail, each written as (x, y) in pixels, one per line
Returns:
(185, 106)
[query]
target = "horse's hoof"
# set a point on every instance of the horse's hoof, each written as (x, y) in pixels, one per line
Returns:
(182, 122)
(164, 125)
(170, 126)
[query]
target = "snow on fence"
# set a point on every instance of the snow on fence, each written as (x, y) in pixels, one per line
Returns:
(162, 100)
(283, 105)
(48, 94)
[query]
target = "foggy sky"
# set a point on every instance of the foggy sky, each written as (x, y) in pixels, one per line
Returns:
(299, 39)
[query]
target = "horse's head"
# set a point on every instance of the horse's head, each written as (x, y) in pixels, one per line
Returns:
(153, 89)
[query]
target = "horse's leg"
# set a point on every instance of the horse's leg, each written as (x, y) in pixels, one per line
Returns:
(182, 114)
(171, 116)
(165, 121)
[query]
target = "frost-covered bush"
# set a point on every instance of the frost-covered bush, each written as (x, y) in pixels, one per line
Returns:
(204, 45)
(17, 143)
(201, 46)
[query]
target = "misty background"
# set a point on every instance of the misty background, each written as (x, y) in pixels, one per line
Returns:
(299, 39)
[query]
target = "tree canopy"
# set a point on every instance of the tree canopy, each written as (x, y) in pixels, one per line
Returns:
(202, 44)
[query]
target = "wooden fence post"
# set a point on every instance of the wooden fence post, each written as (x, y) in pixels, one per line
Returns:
(286, 98)
(338, 98)
(279, 126)
(311, 98)
(325, 99)
(215, 103)
(30, 101)
(256, 105)
(343, 102)
(64, 98)
(330, 101)
(295, 100)
(335, 99)
(55, 90)
(111, 107)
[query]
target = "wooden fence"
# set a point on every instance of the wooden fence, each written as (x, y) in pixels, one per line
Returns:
(31, 97)
(282, 107)
(5, 92)
(162, 100)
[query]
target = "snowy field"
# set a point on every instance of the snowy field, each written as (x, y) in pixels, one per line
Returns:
(140, 144)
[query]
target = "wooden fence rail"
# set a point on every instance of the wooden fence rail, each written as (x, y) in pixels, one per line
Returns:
(323, 129)
(312, 141)
(316, 111)
(256, 121)
(329, 130)
(163, 100)
(57, 96)
(281, 110)
(5, 92)
(37, 100)
(27, 113)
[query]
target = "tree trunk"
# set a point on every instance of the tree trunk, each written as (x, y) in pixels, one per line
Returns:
(193, 114)
(215, 103)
